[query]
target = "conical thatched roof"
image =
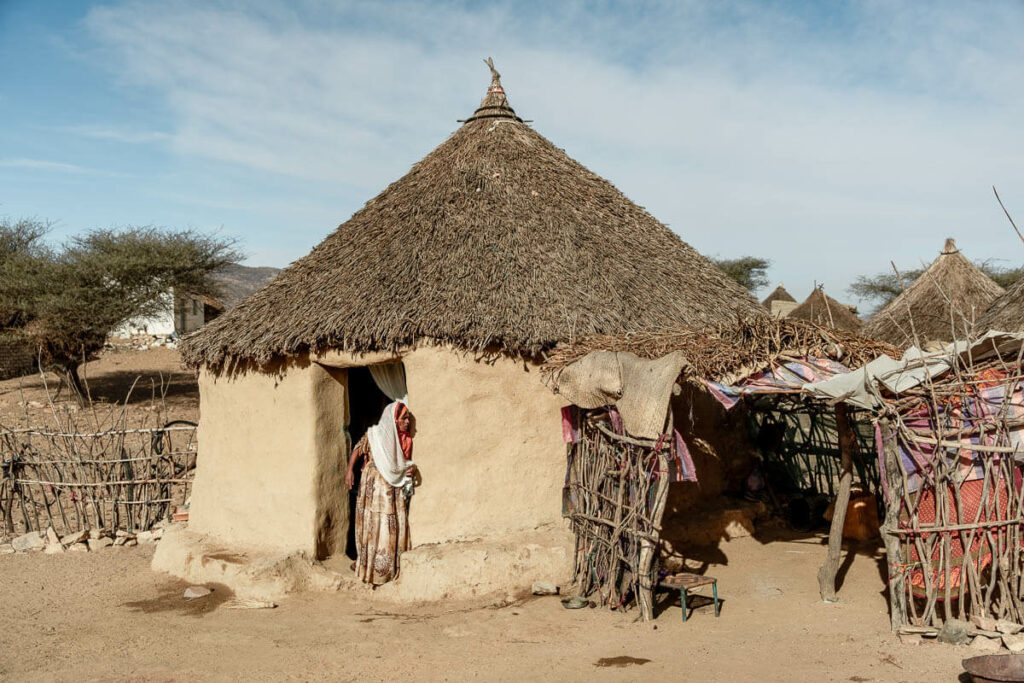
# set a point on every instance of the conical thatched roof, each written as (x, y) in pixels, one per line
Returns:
(1006, 313)
(821, 309)
(496, 239)
(950, 278)
(780, 294)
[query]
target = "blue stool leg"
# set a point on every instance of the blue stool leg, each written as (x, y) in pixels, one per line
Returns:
(682, 599)
(714, 590)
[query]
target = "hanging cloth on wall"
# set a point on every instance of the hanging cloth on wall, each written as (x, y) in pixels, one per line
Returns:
(390, 379)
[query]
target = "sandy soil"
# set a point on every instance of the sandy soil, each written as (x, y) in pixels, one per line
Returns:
(162, 386)
(106, 616)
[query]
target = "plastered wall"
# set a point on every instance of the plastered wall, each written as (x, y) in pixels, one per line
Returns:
(261, 436)
(273, 451)
(488, 443)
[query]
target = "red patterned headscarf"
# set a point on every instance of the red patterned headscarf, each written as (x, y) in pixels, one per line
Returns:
(404, 437)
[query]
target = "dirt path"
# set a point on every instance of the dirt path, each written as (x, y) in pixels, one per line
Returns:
(106, 616)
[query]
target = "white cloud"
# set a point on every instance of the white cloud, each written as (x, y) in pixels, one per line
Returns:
(54, 166)
(829, 144)
(132, 137)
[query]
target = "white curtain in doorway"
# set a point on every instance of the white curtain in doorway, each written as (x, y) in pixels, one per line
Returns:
(390, 378)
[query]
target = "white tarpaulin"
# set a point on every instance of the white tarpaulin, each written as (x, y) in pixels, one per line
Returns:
(861, 387)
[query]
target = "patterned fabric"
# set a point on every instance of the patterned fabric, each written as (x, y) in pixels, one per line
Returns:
(382, 527)
(975, 507)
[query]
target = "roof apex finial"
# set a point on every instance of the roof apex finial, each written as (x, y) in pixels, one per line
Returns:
(494, 105)
(950, 247)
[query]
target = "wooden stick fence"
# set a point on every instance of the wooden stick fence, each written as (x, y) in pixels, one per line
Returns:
(107, 479)
(955, 503)
(616, 493)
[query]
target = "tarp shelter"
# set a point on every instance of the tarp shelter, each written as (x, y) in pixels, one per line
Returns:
(950, 449)
(623, 388)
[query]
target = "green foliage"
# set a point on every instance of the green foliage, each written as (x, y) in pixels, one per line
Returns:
(67, 300)
(750, 271)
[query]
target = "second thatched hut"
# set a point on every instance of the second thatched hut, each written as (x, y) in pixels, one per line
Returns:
(942, 304)
(821, 309)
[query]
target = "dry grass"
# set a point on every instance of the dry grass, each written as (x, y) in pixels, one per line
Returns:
(943, 303)
(733, 351)
(496, 239)
(821, 309)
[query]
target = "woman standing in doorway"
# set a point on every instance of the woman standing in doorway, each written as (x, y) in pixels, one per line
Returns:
(382, 508)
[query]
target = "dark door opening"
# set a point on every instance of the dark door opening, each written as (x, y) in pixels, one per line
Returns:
(366, 402)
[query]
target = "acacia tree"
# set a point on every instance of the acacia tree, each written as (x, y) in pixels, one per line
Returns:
(749, 271)
(67, 300)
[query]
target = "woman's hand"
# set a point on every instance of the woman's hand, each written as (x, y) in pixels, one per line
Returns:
(350, 478)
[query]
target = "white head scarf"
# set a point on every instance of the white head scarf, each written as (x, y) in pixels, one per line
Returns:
(386, 448)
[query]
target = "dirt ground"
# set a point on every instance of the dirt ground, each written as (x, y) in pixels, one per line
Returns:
(106, 616)
(154, 382)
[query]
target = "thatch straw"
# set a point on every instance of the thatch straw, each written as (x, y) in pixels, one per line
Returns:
(497, 239)
(780, 294)
(940, 304)
(732, 352)
(821, 309)
(1006, 313)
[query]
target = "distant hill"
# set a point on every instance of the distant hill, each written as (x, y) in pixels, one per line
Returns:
(237, 282)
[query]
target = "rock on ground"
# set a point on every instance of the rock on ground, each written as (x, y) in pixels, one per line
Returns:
(76, 537)
(1004, 626)
(30, 541)
(78, 548)
(99, 543)
(986, 644)
(544, 588)
(1014, 643)
(193, 592)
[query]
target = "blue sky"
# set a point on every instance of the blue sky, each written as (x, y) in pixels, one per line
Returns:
(830, 139)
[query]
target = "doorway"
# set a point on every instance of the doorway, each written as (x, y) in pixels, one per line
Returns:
(366, 402)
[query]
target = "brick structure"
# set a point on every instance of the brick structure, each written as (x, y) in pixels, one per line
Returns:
(17, 357)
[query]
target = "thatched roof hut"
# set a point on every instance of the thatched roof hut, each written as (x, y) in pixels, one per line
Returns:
(1006, 313)
(780, 303)
(821, 309)
(442, 291)
(950, 295)
(778, 294)
(495, 239)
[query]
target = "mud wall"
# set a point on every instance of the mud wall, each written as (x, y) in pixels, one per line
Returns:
(261, 437)
(488, 444)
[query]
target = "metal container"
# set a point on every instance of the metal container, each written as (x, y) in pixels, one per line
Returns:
(995, 668)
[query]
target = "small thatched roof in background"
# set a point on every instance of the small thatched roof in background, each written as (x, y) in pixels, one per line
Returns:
(496, 239)
(780, 294)
(1006, 313)
(732, 352)
(950, 279)
(821, 309)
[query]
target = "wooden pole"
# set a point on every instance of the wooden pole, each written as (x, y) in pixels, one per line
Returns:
(894, 561)
(829, 569)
